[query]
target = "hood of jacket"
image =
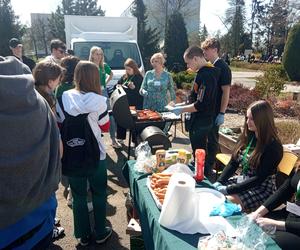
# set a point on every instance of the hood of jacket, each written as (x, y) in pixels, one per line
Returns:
(76, 102)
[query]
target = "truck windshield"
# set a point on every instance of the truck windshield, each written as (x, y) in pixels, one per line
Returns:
(115, 53)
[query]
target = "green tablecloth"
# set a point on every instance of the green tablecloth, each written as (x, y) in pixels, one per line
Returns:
(156, 236)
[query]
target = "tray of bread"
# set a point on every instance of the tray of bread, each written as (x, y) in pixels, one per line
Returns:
(157, 184)
(147, 114)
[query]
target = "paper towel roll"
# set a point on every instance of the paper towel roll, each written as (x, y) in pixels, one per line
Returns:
(178, 210)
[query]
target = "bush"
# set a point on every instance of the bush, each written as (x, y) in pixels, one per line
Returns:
(291, 56)
(183, 79)
(288, 108)
(272, 82)
(288, 131)
(246, 65)
(241, 97)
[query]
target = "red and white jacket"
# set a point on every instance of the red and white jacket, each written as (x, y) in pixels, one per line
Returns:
(76, 103)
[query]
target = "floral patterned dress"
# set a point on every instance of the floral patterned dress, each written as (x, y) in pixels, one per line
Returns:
(157, 90)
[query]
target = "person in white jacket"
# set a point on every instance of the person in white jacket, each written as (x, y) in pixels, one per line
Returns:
(86, 98)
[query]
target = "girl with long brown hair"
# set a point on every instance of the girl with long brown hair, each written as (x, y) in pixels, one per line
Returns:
(86, 99)
(131, 82)
(257, 154)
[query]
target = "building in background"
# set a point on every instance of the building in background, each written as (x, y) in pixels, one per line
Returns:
(159, 10)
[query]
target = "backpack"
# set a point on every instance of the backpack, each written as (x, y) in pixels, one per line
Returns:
(81, 149)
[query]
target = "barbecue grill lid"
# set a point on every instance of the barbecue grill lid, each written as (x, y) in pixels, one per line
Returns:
(120, 108)
(156, 138)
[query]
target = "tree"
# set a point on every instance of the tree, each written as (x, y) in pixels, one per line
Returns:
(176, 42)
(9, 26)
(87, 8)
(291, 59)
(235, 17)
(203, 33)
(71, 7)
(147, 37)
(161, 10)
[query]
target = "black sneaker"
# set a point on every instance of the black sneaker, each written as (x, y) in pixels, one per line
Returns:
(102, 238)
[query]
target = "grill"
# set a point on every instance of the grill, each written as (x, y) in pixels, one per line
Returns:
(147, 130)
(156, 138)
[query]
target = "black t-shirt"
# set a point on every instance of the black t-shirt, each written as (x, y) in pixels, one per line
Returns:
(224, 79)
(204, 91)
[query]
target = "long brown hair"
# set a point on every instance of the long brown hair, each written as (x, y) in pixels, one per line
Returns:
(86, 77)
(263, 118)
(132, 64)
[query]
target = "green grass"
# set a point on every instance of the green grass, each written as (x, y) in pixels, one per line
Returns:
(241, 69)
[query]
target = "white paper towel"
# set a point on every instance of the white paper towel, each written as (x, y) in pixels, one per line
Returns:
(185, 211)
(178, 211)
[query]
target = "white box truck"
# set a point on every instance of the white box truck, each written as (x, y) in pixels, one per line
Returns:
(117, 36)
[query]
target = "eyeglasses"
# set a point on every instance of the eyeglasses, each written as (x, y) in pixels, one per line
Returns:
(61, 51)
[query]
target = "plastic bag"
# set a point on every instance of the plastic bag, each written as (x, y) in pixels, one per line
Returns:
(226, 209)
(179, 168)
(144, 162)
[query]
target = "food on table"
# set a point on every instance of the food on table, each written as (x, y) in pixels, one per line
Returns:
(159, 183)
(147, 114)
(199, 164)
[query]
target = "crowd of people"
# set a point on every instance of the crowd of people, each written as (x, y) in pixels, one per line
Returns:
(53, 116)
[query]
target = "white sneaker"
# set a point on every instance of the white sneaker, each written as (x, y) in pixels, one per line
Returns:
(120, 141)
(70, 199)
(116, 144)
(90, 206)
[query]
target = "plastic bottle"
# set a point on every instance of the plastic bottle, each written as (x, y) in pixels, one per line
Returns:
(199, 164)
(181, 157)
(160, 160)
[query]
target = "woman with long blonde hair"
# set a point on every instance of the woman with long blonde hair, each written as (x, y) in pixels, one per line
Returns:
(106, 74)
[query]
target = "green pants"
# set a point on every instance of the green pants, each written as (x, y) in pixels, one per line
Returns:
(98, 184)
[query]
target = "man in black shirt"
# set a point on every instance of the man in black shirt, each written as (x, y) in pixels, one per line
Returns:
(202, 99)
(211, 49)
(16, 48)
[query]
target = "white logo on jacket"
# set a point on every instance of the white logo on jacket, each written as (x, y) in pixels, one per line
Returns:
(75, 142)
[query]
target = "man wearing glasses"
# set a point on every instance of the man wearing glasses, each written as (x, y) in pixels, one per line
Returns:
(58, 50)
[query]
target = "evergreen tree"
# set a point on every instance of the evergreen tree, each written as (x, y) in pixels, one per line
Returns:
(176, 42)
(9, 26)
(203, 33)
(71, 7)
(87, 8)
(291, 59)
(148, 38)
(235, 17)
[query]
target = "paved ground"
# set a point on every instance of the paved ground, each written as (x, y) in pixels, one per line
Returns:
(247, 79)
(116, 212)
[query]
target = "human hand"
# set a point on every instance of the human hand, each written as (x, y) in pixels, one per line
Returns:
(222, 189)
(268, 225)
(131, 85)
(177, 110)
(217, 184)
(144, 92)
(220, 119)
(253, 216)
(171, 104)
